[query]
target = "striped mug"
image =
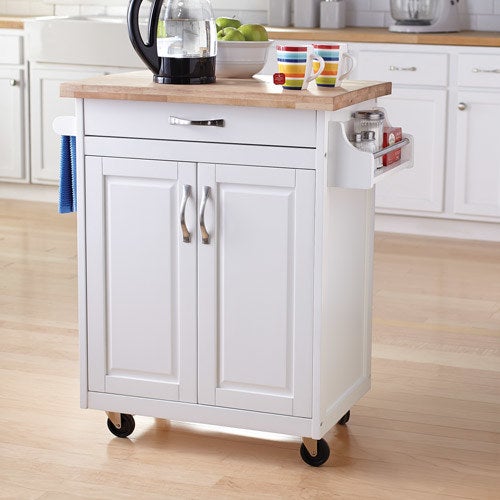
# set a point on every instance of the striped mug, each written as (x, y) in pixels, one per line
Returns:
(338, 63)
(296, 63)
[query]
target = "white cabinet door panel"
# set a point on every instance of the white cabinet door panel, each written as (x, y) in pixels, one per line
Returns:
(255, 289)
(421, 112)
(45, 106)
(12, 166)
(142, 338)
(477, 164)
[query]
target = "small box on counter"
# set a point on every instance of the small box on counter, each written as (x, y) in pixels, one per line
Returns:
(391, 136)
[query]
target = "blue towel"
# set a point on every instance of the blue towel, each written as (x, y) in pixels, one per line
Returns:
(67, 186)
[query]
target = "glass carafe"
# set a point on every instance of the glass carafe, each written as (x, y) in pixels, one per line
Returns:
(414, 12)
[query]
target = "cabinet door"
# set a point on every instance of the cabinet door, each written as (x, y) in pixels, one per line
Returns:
(422, 113)
(141, 278)
(45, 106)
(255, 296)
(477, 164)
(11, 124)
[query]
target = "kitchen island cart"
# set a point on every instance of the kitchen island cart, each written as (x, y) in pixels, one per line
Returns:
(225, 253)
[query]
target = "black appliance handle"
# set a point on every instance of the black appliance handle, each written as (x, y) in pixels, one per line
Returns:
(147, 51)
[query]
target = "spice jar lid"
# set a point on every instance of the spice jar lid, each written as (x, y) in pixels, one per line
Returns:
(370, 114)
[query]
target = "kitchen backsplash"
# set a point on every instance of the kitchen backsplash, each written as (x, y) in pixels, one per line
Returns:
(481, 15)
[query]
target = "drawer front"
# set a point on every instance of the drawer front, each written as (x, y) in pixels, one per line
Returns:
(479, 70)
(151, 120)
(403, 68)
(11, 49)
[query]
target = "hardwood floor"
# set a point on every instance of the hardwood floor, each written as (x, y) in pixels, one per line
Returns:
(429, 428)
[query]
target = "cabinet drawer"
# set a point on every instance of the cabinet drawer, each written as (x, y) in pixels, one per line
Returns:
(11, 49)
(151, 120)
(479, 70)
(404, 68)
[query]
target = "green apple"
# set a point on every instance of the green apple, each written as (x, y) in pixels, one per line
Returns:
(230, 35)
(254, 32)
(227, 22)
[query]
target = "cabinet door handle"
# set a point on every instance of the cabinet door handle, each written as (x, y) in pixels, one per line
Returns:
(479, 70)
(462, 106)
(13, 82)
(174, 120)
(205, 237)
(186, 235)
(399, 68)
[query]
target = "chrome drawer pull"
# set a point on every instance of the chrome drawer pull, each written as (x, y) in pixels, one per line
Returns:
(186, 235)
(174, 120)
(479, 70)
(399, 68)
(13, 82)
(205, 237)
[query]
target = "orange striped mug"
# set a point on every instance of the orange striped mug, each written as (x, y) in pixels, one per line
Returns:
(296, 63)
(338, 63)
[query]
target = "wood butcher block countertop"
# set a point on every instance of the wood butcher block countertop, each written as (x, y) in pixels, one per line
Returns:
(139, 86)
(383, 35)
(12, 22)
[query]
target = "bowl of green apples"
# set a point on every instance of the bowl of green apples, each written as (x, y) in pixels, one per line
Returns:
(241, 48)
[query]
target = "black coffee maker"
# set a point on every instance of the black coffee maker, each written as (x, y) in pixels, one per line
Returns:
(182, 40)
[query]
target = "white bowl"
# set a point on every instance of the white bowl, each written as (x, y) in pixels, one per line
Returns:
(240, 59)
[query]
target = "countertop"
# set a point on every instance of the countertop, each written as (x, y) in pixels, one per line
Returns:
(383, 35)
(254, 92)
(13, 22)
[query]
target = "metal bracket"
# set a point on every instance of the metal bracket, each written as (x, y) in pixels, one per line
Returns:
(311, 445)
(116, 418)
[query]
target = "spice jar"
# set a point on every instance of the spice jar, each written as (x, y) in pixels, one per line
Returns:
(370, 120)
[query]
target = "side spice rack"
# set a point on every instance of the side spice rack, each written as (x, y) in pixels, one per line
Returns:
(350, 167)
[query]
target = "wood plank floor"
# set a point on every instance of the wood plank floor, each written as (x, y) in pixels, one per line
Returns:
(429, 428)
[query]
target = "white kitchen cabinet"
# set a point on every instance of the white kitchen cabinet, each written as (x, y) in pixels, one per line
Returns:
(225, 271)
(252, 291)
(45, 105)
(13, 165)
(423, 111)
(475, 108)
(477, 166)
(12, 158)
(448, 97)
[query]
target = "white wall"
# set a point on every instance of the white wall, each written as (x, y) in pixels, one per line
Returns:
(476, 14)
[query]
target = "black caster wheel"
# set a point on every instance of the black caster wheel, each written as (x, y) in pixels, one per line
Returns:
(320, 458)
(128, 426)
(345, 418)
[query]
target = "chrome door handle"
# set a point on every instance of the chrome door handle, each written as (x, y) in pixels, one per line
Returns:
(399, 68)
(205, 237)
(186, 235)
(462, 106)
(174, 120)
(479, 70)
(13, 82)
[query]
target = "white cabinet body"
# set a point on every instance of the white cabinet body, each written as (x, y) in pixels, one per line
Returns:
(418, 103)
(46, 105)
(13, 165)
(423, 111)
(474, 106)
(222, 280)
(444, 195)
(448, 97)
(477, 165)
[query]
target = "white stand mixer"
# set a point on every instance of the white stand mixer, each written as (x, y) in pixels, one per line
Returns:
(447, 20)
